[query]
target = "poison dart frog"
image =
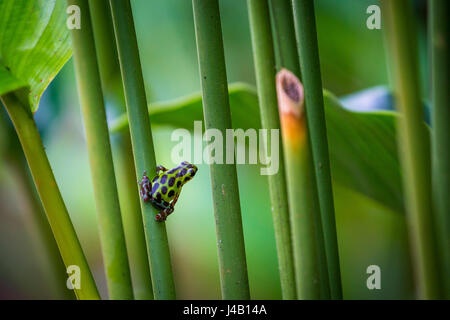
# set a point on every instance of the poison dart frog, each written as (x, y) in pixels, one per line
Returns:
(164, 189)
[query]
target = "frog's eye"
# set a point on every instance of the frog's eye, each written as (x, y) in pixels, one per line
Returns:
(191, 172)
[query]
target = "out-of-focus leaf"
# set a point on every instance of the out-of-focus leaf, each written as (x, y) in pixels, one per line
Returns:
(34, 45)
(182, 112)
(362, 144)
(369, 100)
(376, 98)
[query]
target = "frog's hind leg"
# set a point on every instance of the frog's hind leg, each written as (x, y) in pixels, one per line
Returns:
(162, 206)
(174, 201)
(162, 216)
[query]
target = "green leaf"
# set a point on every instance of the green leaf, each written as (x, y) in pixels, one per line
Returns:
(363, 152)
(34, 45)
(362, 144)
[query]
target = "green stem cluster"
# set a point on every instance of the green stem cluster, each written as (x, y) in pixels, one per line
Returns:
(100, 157)
(293, 125)
(287, 58)
(285, 36)
(122, 151)
(216, 108)
(142, 143)
(306, 35)
(264, 57)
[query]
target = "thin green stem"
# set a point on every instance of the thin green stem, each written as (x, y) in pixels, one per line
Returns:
(305, 26)
(105, 44)
(440, 96)
(293, 125)
(51, 199)
(122, 151)
(100, 157)
(413, 143)
(132, 217)
(264, 57)
(285, 36)
(142, 143)
(216, 108)
(312, 203)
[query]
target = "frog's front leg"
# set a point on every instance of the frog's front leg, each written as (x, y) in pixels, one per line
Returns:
(160, 168)
(145, 187)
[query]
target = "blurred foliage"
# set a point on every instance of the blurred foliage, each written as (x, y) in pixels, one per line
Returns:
(352, 58)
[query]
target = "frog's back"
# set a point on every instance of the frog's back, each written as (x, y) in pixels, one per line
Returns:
(168, 184)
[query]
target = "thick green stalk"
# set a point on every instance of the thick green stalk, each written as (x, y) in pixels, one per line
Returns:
(51, 199)
(142, 143)
(305, 26)
(413, 144)
(288, 59)
(293, 126)
(112, 238)
(44, 245)
(109, 68)
(440, 96)
(265, 79)
(36, 223)
(216, 108)
(285, 36)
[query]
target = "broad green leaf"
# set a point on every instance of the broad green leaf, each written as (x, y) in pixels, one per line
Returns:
(34, 45)
(362, 144)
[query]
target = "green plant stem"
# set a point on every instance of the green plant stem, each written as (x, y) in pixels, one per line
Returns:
(312, 203)
(100, 157)
(293, 125)
(105, 44)
(285, 36)
(51, 199)
(142, 143)
(440, 96)
(122, 151)
(413, 144)
(216, 109)
(265, 79)
(132, 217)
(288, 59)
(305, 26)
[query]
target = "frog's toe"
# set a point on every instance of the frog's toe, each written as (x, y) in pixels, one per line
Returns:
(160, 217)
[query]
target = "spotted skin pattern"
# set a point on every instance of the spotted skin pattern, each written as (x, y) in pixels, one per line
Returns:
(164, 189)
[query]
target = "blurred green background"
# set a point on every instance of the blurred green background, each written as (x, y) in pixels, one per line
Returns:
(352, 58)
